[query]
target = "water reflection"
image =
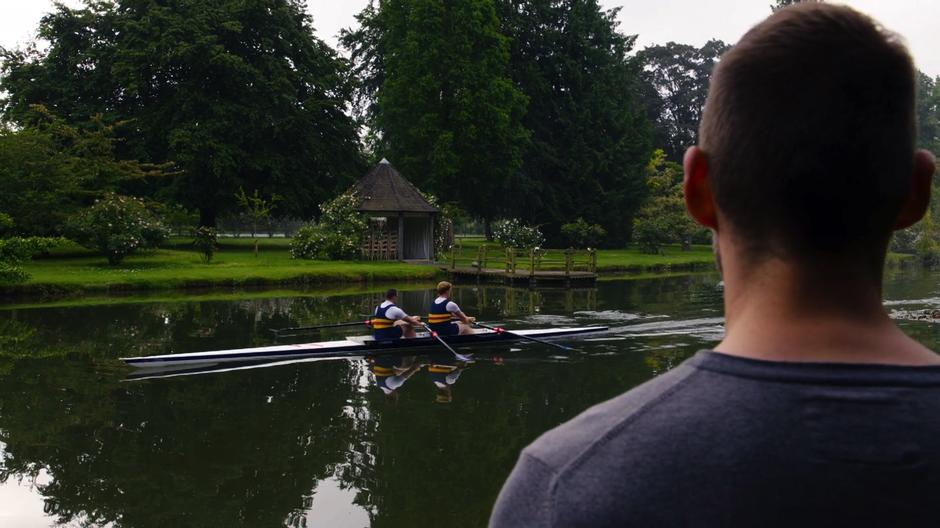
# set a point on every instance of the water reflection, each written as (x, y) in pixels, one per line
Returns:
(386, 442)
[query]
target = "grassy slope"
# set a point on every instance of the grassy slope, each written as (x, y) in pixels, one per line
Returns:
(72, 269)
(608, 260)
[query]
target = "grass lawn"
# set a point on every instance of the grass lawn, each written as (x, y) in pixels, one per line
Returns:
(70, 269)
(608, 260)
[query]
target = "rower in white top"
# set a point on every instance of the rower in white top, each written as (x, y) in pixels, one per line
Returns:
(445, 317)
(391, 322)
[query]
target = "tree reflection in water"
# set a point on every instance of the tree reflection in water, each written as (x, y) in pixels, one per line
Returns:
(263, 447)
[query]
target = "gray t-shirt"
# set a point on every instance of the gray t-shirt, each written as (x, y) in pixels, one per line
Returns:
(727, 441)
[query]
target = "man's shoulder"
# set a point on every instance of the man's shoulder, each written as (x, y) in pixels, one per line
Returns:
(576, 438)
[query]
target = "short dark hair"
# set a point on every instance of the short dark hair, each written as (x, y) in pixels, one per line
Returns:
(392, 292)
(808, 133)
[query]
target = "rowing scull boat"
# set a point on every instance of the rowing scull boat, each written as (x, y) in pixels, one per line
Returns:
(351, 346)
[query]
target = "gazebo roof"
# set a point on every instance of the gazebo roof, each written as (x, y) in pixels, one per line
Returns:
(383, 189)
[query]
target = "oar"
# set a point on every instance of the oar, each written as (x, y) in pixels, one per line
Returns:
(278, 331)
(500, 330)
(460, 357)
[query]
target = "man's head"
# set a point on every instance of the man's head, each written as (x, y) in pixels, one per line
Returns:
(807, 140)
(391, 294)
(443, 288)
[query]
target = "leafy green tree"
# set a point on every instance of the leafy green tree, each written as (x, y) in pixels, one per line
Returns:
(258, 208)
(663, 218)
(928, 112)
(436, 92)
(780, 4)
(927, 108)
(50, 169)
(676, 80)
(590, 140)
(236, 92)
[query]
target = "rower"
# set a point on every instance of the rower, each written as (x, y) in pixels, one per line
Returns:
(445, 316)
(391, 322)
(392, 371)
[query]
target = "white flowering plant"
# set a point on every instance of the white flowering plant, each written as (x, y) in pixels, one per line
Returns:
(512, 233)
(337, 236)
(117, 226)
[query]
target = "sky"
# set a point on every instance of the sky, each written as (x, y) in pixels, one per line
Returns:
(656, 22)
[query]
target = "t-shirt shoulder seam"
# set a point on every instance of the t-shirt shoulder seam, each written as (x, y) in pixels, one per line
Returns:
(549, 502)
(627, 420)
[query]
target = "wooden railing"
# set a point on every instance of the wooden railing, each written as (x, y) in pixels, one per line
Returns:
(522, 262)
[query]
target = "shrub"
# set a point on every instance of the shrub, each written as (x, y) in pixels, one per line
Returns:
(116, 226)
(16, 250)
(337, 236)
(450, 215)
(205, 240)
(316, 242)
(580, 234)
(512, 233)
(650, 233)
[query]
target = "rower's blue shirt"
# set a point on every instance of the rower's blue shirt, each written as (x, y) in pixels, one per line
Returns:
(440, 320)
(383, 327)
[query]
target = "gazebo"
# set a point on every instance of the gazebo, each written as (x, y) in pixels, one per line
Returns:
(401, 221)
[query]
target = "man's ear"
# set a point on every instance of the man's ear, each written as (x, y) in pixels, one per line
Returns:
(918, 199)
(698, 192)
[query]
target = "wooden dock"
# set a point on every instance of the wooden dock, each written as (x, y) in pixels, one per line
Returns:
(533, 267)
(545, 277)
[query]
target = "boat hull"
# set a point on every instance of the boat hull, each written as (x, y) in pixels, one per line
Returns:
(347, 347)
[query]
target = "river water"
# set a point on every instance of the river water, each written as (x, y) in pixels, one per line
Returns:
(317, 443)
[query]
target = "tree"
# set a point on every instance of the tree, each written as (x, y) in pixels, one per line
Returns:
(921, 238)
(780, 4)
(50, 169)
(236, 92)
(258, 208)
(663, 218)
(436, 93)
(676, 80)
(590, 140)
(928, 112)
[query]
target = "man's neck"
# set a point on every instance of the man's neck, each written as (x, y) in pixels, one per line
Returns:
(777, 313)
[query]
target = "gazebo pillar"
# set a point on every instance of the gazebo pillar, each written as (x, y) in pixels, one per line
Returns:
(401, 236)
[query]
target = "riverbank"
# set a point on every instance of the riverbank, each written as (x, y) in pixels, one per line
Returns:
(71, 271)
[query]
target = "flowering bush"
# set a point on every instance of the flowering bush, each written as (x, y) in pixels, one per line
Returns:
(580, 234)
(337, 236)
(315, 242)
(204, 239)
(116, 226)
(512, 233)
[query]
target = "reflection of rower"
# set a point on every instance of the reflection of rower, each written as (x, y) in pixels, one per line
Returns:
(392, 371)
(445, 317)
(391, 322)
(444, 371)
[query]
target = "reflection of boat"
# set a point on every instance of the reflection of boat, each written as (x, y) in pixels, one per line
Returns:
(353, 346)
